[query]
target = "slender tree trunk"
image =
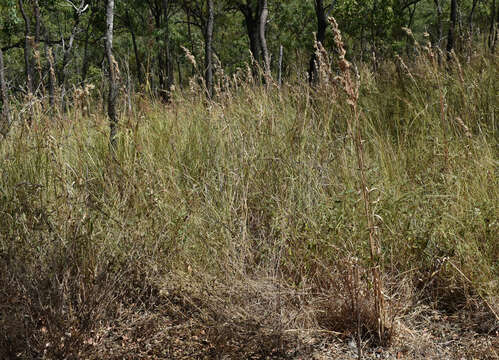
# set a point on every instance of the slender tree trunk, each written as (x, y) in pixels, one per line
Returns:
(373, 36)
(281, 50)
(470, 18)
(411, 15)
(27, 49)
(439, 30)
(65, 60)
(113, 89)
(208, 50)
(191, 41)
(161, 73)
(179, 70)
(493, 26)
(168, 60)
(452, 28)
(37, 63)
(37, 21)
(138, 63)
(313, 71)
(264, 13)
(5, 112)
(159, 55)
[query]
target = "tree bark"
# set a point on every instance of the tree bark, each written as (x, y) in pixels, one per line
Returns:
(5, 114)
(27, 49)
(452, 28)
(113, 90)
(264, 13)
(208, 50)
(313, 71)
(252, 22)
(168, 57)
(37, 21)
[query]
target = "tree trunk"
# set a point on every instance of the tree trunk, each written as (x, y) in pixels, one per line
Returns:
(493, 26)
(281, 50)
(452, 28)
(264, 13)
(159, 56)
(113, 90)
(251, 19)
(5, 113)
(470, 18)
(313, 71)
(138, 63)
(440, 30)
(179, 70)
(65, 60)
(168, 57)
(191, 41)
(208, 49)
(38, 65)
(27, 49)
(373, 36)
(37, 21)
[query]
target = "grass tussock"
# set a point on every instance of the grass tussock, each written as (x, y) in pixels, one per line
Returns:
(236, 227)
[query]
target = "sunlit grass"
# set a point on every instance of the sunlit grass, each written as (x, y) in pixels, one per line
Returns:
(260, 184)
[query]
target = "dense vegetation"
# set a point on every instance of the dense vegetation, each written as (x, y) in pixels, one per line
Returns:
(353, 200)
(150, 35)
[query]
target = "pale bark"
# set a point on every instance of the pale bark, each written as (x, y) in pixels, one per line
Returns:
(67, 57)
(208, 51)
(264, 13)
(113, 89)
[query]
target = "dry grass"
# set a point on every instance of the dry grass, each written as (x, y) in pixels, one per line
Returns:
(235, 228)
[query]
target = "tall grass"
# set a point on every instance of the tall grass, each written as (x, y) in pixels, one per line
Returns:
(248, 208)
